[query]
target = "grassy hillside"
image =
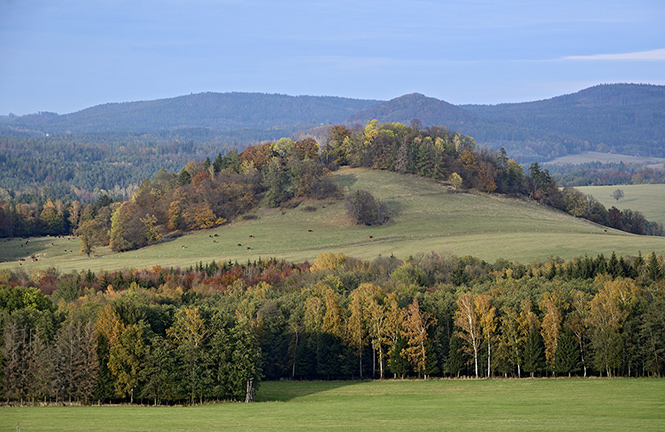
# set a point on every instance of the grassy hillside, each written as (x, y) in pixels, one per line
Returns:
(542, 404)
(428, 217)
(645, 198)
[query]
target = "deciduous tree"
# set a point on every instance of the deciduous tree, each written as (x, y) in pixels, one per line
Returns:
(415, 325)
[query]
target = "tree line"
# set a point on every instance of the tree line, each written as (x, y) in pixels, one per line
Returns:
(602, 174)
(171, 335)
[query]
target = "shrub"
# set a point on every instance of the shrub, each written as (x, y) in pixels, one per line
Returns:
(365, 209)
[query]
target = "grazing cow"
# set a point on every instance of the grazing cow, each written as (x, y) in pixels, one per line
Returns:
(216, 235)
(239, 244)
(309, 230)
(371, 237)
(249, 248)
(214, 241)
(251, 236)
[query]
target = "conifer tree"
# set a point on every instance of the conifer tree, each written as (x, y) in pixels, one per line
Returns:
(568, 357)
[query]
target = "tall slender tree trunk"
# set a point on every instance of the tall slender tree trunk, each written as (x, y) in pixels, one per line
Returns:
(360, 355)
(475, 357)
(361, 365)
(582, 356)
(373, 362)
(489, 356)
(295, 356)
(381, 361)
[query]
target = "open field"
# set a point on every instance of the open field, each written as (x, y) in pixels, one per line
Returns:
(586, 157)
(428, 217)
(649, 199)
(527, 404)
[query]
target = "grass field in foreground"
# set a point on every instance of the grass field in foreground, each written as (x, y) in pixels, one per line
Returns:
(456, 405)
(648, 199)
(427, 218)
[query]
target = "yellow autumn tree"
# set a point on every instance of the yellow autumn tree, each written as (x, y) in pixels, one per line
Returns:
(329, 261)
(551, 326)
(416, 322)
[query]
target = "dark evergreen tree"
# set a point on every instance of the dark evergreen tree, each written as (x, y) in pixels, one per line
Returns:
(397, 362)
(654, 271)
(456, 359)
(568, 354)
(158, 373)
(534, 354)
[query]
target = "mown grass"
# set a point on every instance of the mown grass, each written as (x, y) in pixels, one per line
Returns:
(427, 217)
(500, 405)
(649, 199)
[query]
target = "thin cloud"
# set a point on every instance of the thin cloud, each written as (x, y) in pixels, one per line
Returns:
(653, 55)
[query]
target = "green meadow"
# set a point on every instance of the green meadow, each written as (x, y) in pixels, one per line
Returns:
(649, 199)
(428, 216)
(459, 405)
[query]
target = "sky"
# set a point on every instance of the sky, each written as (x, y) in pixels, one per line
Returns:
(66, 55)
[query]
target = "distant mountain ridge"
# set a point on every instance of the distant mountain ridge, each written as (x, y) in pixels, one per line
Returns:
(621, 118)
(216, 111)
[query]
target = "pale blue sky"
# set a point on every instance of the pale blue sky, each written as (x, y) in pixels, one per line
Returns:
(66, 55)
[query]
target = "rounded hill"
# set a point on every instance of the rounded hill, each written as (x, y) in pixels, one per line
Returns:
(427, 216)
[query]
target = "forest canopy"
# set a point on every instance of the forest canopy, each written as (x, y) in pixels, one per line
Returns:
(171, 335)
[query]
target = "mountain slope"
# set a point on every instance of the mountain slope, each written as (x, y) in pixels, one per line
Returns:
(624, 118)
(217, 111)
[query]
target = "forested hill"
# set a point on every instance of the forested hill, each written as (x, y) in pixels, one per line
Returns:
(525, 144)
(624, 118)
(430, 112)
(216, 111)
